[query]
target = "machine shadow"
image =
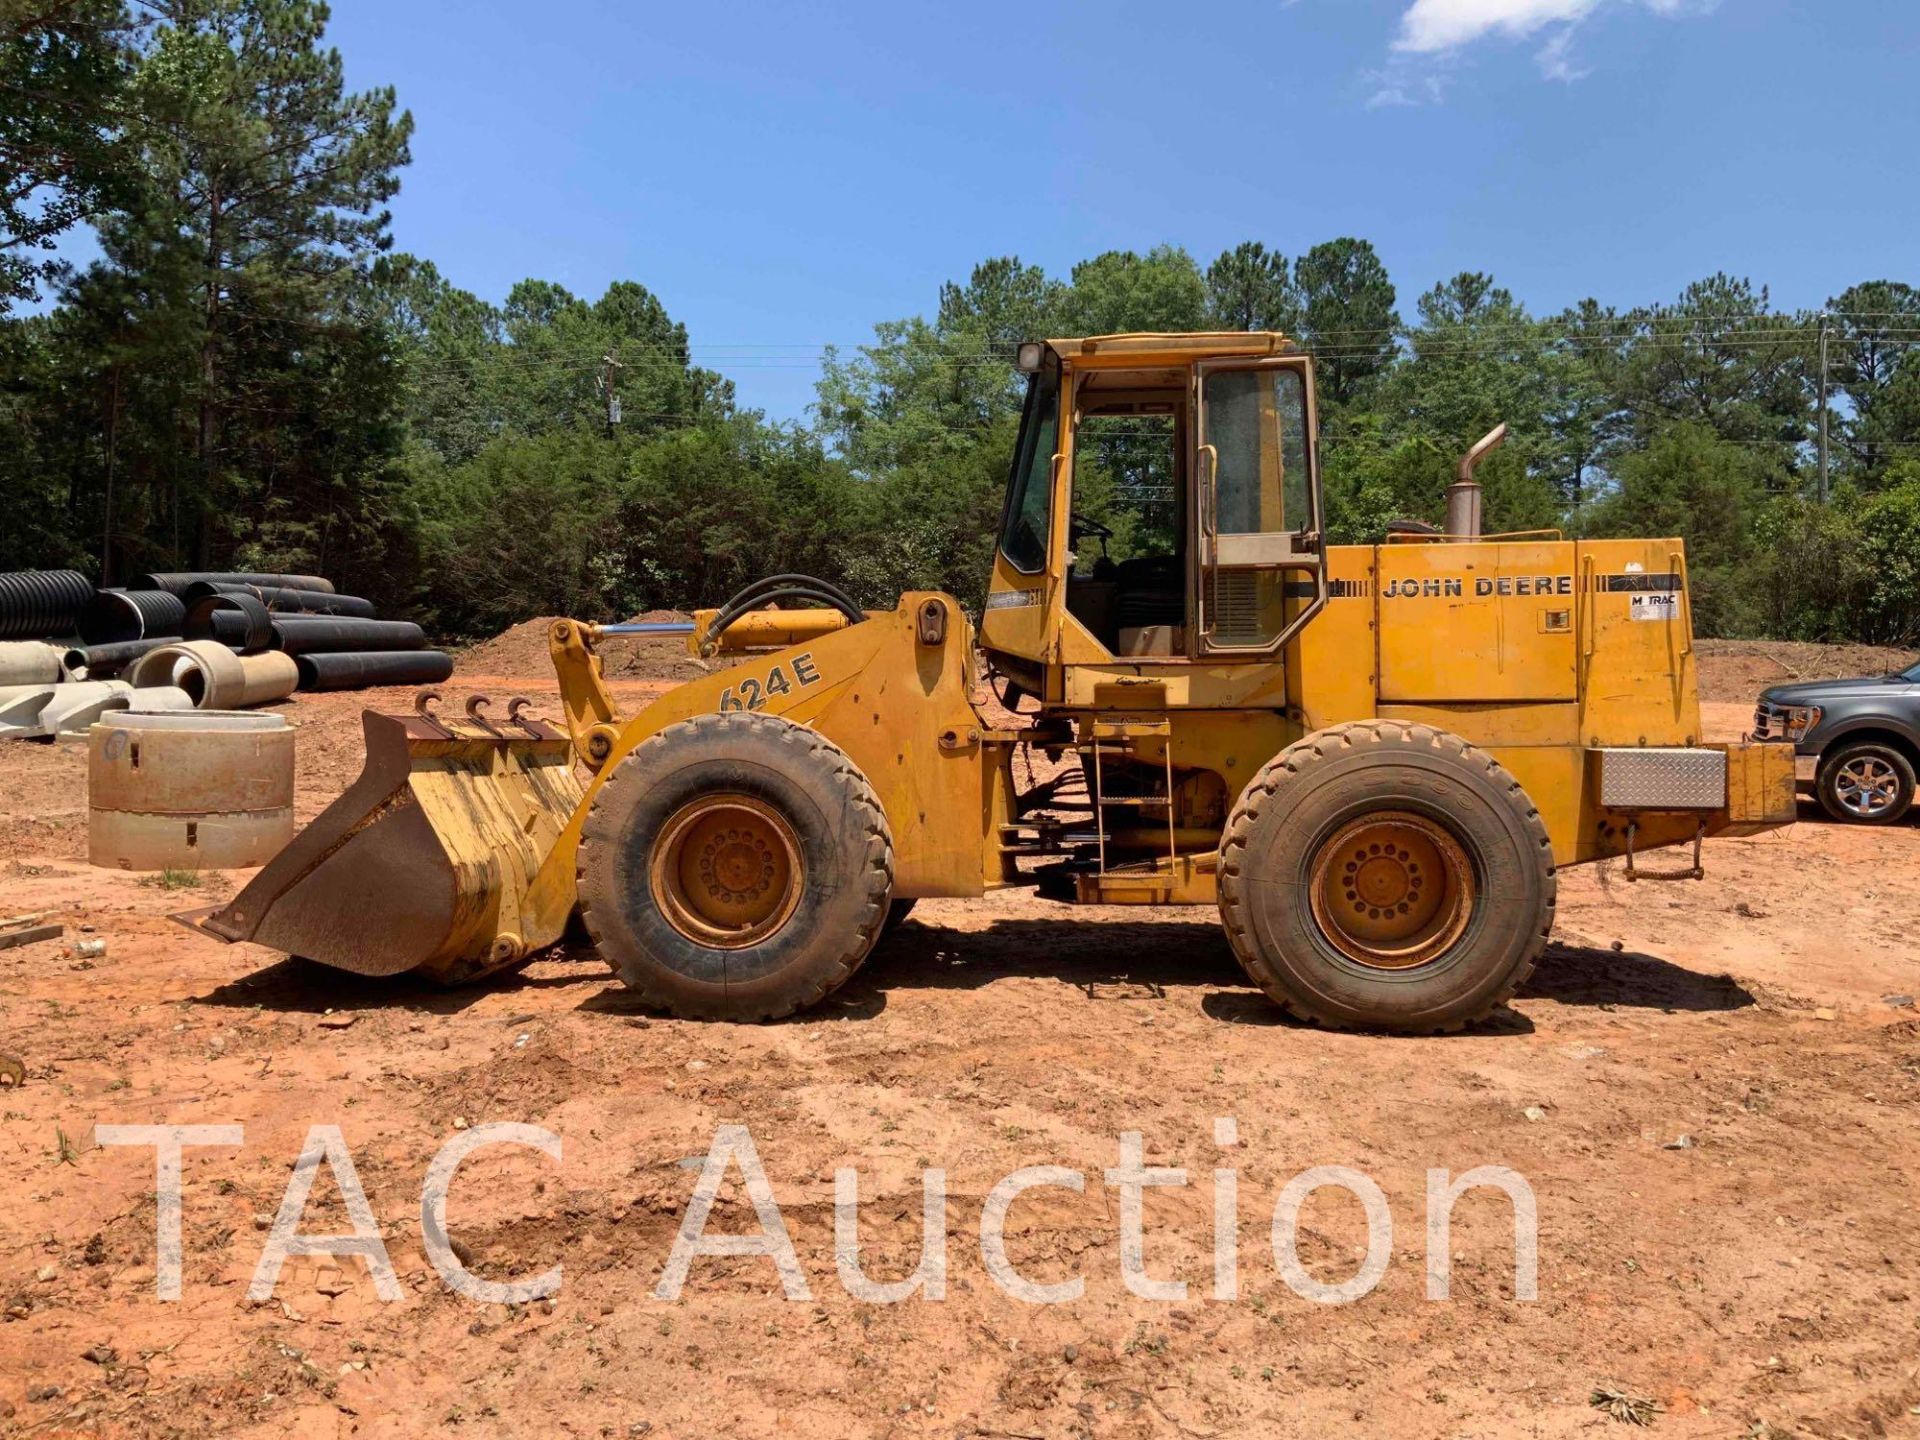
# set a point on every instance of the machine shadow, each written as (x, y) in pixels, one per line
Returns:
(1121, 961)
(304, 987)
(1588, 976)
(1112, 962)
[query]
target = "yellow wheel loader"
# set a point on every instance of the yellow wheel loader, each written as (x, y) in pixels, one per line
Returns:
(1372, 759)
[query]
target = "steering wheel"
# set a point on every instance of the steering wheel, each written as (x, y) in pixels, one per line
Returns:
(1078, 525)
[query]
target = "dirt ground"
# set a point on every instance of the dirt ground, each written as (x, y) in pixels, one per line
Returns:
(1738, 670)
(1711, 1089)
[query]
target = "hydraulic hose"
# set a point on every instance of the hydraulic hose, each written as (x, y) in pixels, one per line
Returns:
(752, 592)
(780, 587)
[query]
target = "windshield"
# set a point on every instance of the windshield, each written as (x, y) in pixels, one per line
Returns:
(1912, 672)
(1023, 533)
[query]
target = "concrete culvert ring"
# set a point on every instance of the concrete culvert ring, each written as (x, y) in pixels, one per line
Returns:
(214, 677)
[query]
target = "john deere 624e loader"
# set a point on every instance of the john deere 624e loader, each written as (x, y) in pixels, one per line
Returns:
(1371, 758)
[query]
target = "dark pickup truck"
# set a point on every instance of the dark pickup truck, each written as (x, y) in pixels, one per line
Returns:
(1856, 742)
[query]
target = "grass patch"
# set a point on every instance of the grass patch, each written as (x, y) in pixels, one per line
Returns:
(173, 880)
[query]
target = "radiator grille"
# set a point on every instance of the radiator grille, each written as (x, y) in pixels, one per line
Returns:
(1234, 607)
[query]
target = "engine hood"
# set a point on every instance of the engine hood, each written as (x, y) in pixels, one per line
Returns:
(1824, 692)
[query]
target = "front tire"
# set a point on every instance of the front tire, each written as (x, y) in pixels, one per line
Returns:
(1386, 876)
(735, 867)
(1866, 783)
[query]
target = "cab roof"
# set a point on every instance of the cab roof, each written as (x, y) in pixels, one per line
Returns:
(1135, 350)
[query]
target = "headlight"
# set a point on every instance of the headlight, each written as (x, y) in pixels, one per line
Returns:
(1800, 719)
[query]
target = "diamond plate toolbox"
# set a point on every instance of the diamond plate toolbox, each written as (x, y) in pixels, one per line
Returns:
(1662, 778)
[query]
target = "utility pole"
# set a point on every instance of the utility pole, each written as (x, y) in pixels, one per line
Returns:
(113, 445)
(1824, 318)
(609, 364)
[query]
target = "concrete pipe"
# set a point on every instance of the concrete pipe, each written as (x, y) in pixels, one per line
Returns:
(270, 676)
(28, 662)
(201, 790)
(72, 708)
(20, 707)
(158, 699)
(215, 677)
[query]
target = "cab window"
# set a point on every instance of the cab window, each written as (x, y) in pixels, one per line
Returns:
(1257, 424)
(1029, 517)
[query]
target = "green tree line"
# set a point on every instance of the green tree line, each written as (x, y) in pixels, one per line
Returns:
(247, 375)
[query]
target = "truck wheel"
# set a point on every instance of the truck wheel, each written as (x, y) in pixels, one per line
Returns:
(735, 867)
(1386, 876)
(1865, 783)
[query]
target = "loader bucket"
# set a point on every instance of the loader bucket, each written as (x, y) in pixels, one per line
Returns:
(428, 862)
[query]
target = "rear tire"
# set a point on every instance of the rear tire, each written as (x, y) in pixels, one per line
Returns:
(735, 867)
(1386, 876)
(1865, 783)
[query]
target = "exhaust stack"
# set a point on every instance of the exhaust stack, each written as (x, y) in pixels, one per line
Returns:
(1463, 496)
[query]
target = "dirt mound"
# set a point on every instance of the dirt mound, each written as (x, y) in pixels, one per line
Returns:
(521, 653)
(1738, 670)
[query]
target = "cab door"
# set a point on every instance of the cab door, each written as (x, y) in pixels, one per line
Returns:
(1258, 573)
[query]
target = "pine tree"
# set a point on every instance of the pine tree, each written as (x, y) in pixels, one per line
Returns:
(263, 198)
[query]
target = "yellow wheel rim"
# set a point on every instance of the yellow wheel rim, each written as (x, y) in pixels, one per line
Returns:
(727, 871)
(1392, 890)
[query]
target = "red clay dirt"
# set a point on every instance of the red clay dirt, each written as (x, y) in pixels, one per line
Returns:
(1704, 1084)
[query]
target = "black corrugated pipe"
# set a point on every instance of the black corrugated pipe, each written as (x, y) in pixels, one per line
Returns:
(104, 661)
(237, 620)
(113, 616)
(339, 635)
(287, 601)
(177, 581)
(35, 604)
(373, 667)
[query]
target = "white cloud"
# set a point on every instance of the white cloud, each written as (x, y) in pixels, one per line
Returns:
(1432, 26)
(1434, 33)
(1555, 58)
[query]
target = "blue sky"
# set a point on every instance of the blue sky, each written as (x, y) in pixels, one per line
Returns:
(784, 175)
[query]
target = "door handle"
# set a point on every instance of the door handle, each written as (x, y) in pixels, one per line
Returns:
(1209, 484)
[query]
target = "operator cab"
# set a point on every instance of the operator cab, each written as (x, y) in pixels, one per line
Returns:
(1163, 505)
